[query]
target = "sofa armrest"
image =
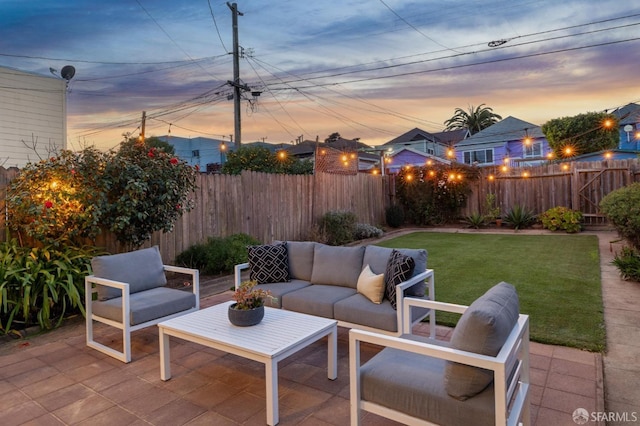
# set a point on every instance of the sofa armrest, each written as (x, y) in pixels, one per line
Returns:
(237, 273)
(195, 279)
(404, 315)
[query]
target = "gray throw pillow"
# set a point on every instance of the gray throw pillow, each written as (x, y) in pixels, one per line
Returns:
(268, 263)
(399, 269)
(141, 269)
(482, 329)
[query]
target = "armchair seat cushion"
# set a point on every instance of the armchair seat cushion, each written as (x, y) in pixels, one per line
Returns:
(141, 269)
(146, 306)
(413, 384)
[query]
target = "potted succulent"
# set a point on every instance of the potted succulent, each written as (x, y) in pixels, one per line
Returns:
(248, 308)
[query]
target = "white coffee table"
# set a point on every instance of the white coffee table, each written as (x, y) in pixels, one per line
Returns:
(280, 334)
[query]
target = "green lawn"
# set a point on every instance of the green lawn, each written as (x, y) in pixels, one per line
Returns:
(557, 278)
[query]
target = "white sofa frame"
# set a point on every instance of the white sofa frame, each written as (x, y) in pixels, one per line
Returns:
(90, 283)
(427, 275)
(512, 405)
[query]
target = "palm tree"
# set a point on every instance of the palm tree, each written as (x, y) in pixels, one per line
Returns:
(475, 119)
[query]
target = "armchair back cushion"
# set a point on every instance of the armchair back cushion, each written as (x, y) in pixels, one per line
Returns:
(339, 266)
(482, 329)
(377, 257)
(141, 269)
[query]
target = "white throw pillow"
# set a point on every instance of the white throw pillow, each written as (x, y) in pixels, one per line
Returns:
(371, 285)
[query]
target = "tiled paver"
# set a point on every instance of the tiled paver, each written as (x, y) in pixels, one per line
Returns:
(55, 379)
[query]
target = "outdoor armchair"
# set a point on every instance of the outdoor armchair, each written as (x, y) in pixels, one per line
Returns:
(131, 295)
(481, 377)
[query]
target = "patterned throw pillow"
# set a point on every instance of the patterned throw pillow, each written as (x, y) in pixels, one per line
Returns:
(268, 263)
(399, 269)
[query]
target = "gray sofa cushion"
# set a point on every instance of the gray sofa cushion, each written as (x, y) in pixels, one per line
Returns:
(279, 289)
(377, 257)
(316, 299)
(357, 309)
(300, 259)
(268, 263)
(141, 269)
(413, 384)
(483, 329)
(338, 266)
(146, 306)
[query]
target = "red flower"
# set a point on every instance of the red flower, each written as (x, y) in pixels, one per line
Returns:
(48, 204)
(197, 167)
(178, 206)
(150, 154)
(173, 160)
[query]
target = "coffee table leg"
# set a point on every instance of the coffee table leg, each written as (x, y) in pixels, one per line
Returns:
(271, 373)
(332, 354)
(165, 355)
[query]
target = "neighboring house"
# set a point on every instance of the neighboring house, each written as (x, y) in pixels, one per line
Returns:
(611, 154)
(410, 157)
(629, 121)
(33, 117)
(435, 144)
(368, 160)
(199, 151)
(511, 142)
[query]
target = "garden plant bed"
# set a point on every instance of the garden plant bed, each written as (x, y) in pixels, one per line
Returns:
(557, 278)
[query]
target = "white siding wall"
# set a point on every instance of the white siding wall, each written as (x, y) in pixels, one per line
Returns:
(33, 110)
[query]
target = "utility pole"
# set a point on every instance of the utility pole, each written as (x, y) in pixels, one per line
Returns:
(144, 120)
(237, 86)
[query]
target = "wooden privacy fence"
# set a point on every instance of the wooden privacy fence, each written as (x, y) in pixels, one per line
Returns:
(577, 185)
(268, 207)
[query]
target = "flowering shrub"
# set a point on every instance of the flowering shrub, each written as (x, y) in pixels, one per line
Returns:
(58, 200)
(148, 190)
(364, 231)
(562, 218)
(133, 192)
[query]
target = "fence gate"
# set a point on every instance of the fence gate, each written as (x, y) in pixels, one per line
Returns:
(591, 185)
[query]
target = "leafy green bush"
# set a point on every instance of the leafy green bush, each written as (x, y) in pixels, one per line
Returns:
(41, 285)
(364, 231)
(622, 208)
(628, 263)
(519, 217)
(338, 227)
(394, 215)
(217, 255)
(562, 218)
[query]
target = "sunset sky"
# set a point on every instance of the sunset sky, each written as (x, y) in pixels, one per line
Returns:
(369, 69)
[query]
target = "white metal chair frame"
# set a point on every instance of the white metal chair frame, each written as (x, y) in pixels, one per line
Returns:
(511, 393)
(125, 325)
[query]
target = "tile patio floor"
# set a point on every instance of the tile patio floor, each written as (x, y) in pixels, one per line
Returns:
(55, 379)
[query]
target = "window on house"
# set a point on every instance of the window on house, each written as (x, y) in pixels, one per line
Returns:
(533, 150)
(195, 153)
(481, 156)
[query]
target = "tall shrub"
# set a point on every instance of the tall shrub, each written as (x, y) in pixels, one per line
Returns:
(434, 195)
(622, 208)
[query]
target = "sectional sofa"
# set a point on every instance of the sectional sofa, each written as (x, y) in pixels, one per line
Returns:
(343, 283)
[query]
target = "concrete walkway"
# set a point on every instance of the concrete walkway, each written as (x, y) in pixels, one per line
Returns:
(621, 301)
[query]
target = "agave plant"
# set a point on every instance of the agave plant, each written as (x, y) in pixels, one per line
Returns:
(519, 217)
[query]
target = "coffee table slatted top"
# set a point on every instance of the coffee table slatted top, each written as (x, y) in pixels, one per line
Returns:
(275, 334)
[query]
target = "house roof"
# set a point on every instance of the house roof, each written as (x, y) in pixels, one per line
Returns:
(509, 129)
(628, 114)
(449, 137)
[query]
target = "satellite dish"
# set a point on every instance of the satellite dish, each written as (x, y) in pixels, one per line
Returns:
(67, 72)
(628, 128)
